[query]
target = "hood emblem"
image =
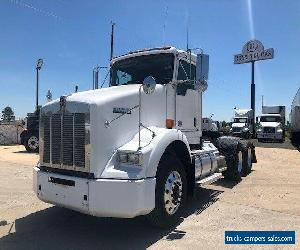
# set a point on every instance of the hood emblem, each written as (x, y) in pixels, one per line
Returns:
(122, 110)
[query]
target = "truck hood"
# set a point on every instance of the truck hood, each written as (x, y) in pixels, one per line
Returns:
(238, 125)
(270, 124)
(99, 95)
(105, 106)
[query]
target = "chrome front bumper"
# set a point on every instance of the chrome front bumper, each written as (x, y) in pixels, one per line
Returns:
(274, 136)
(98, 197)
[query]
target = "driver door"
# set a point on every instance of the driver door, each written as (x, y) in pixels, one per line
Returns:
(188, 112)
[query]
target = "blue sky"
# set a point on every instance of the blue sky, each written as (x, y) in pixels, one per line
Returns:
(72, 37)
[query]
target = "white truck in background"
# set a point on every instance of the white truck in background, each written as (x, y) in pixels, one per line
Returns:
(135, 148)
(210, 129)
(295, 118)
(271, 124)
(242, 123)
(209, 125)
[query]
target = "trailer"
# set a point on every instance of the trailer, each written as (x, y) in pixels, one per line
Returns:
(295, 118)
(136, 147)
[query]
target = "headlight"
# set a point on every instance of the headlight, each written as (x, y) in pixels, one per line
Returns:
(245, 129)
(279, 130)
(134, 158)
(259, 130)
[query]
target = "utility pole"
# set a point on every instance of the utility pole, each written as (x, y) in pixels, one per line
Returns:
(96, 77)
(93, 79)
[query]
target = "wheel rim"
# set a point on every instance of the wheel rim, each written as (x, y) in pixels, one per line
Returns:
(33, 142)
(240, 163)
(249, 157)
(173, 192)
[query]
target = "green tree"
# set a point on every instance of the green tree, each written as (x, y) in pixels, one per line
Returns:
(8, 114)
(224, 124)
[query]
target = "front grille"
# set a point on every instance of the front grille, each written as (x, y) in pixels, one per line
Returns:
(269, 130)
(236, 129)
(64, 140)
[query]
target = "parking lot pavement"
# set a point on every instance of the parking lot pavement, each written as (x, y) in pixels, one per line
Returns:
(286, 144)
(267, 199)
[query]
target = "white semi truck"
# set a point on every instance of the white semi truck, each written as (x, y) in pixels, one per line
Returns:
(242, 123)
(209, 125)
(135, 147)
(295, 118)
(272, 124)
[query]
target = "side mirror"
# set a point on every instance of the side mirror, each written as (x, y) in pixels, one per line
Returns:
(202, 67)
(149, 84)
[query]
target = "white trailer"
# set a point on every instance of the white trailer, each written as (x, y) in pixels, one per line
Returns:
(242, 123)
(272, 124)
(135, 148)
(295, 118)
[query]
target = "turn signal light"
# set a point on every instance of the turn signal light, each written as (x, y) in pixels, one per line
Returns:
(169, 123)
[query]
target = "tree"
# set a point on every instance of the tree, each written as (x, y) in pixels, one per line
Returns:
(8, 114)
(223, 124)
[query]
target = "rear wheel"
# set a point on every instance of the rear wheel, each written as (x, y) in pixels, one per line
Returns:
(32, 143)
(170, 192)
(247, 160)
(234, 164)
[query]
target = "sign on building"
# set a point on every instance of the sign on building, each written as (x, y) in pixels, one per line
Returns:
(253, 51)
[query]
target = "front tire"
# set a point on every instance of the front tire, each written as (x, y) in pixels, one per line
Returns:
(170, 192)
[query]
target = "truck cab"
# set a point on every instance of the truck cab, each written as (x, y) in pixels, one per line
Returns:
(134, 148)
(272, 124)
(242, 123)
(270, 128)
(30, 136)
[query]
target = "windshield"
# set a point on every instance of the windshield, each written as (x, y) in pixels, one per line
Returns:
(240, 120)
(134, 70)
(270, 119)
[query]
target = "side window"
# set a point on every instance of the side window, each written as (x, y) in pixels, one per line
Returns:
(185, 72)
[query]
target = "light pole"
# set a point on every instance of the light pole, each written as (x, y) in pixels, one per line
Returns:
(96, 77)
(38, 67)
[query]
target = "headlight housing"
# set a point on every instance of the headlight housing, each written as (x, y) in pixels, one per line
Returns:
(133, 158)
(245, 129)
(279, 130)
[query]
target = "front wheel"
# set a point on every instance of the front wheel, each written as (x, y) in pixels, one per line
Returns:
(170, 192)
(32, 143)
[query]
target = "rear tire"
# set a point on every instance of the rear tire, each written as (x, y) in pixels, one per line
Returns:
(247, 159)
(32, 143)
(234, 162)
(170, 192)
